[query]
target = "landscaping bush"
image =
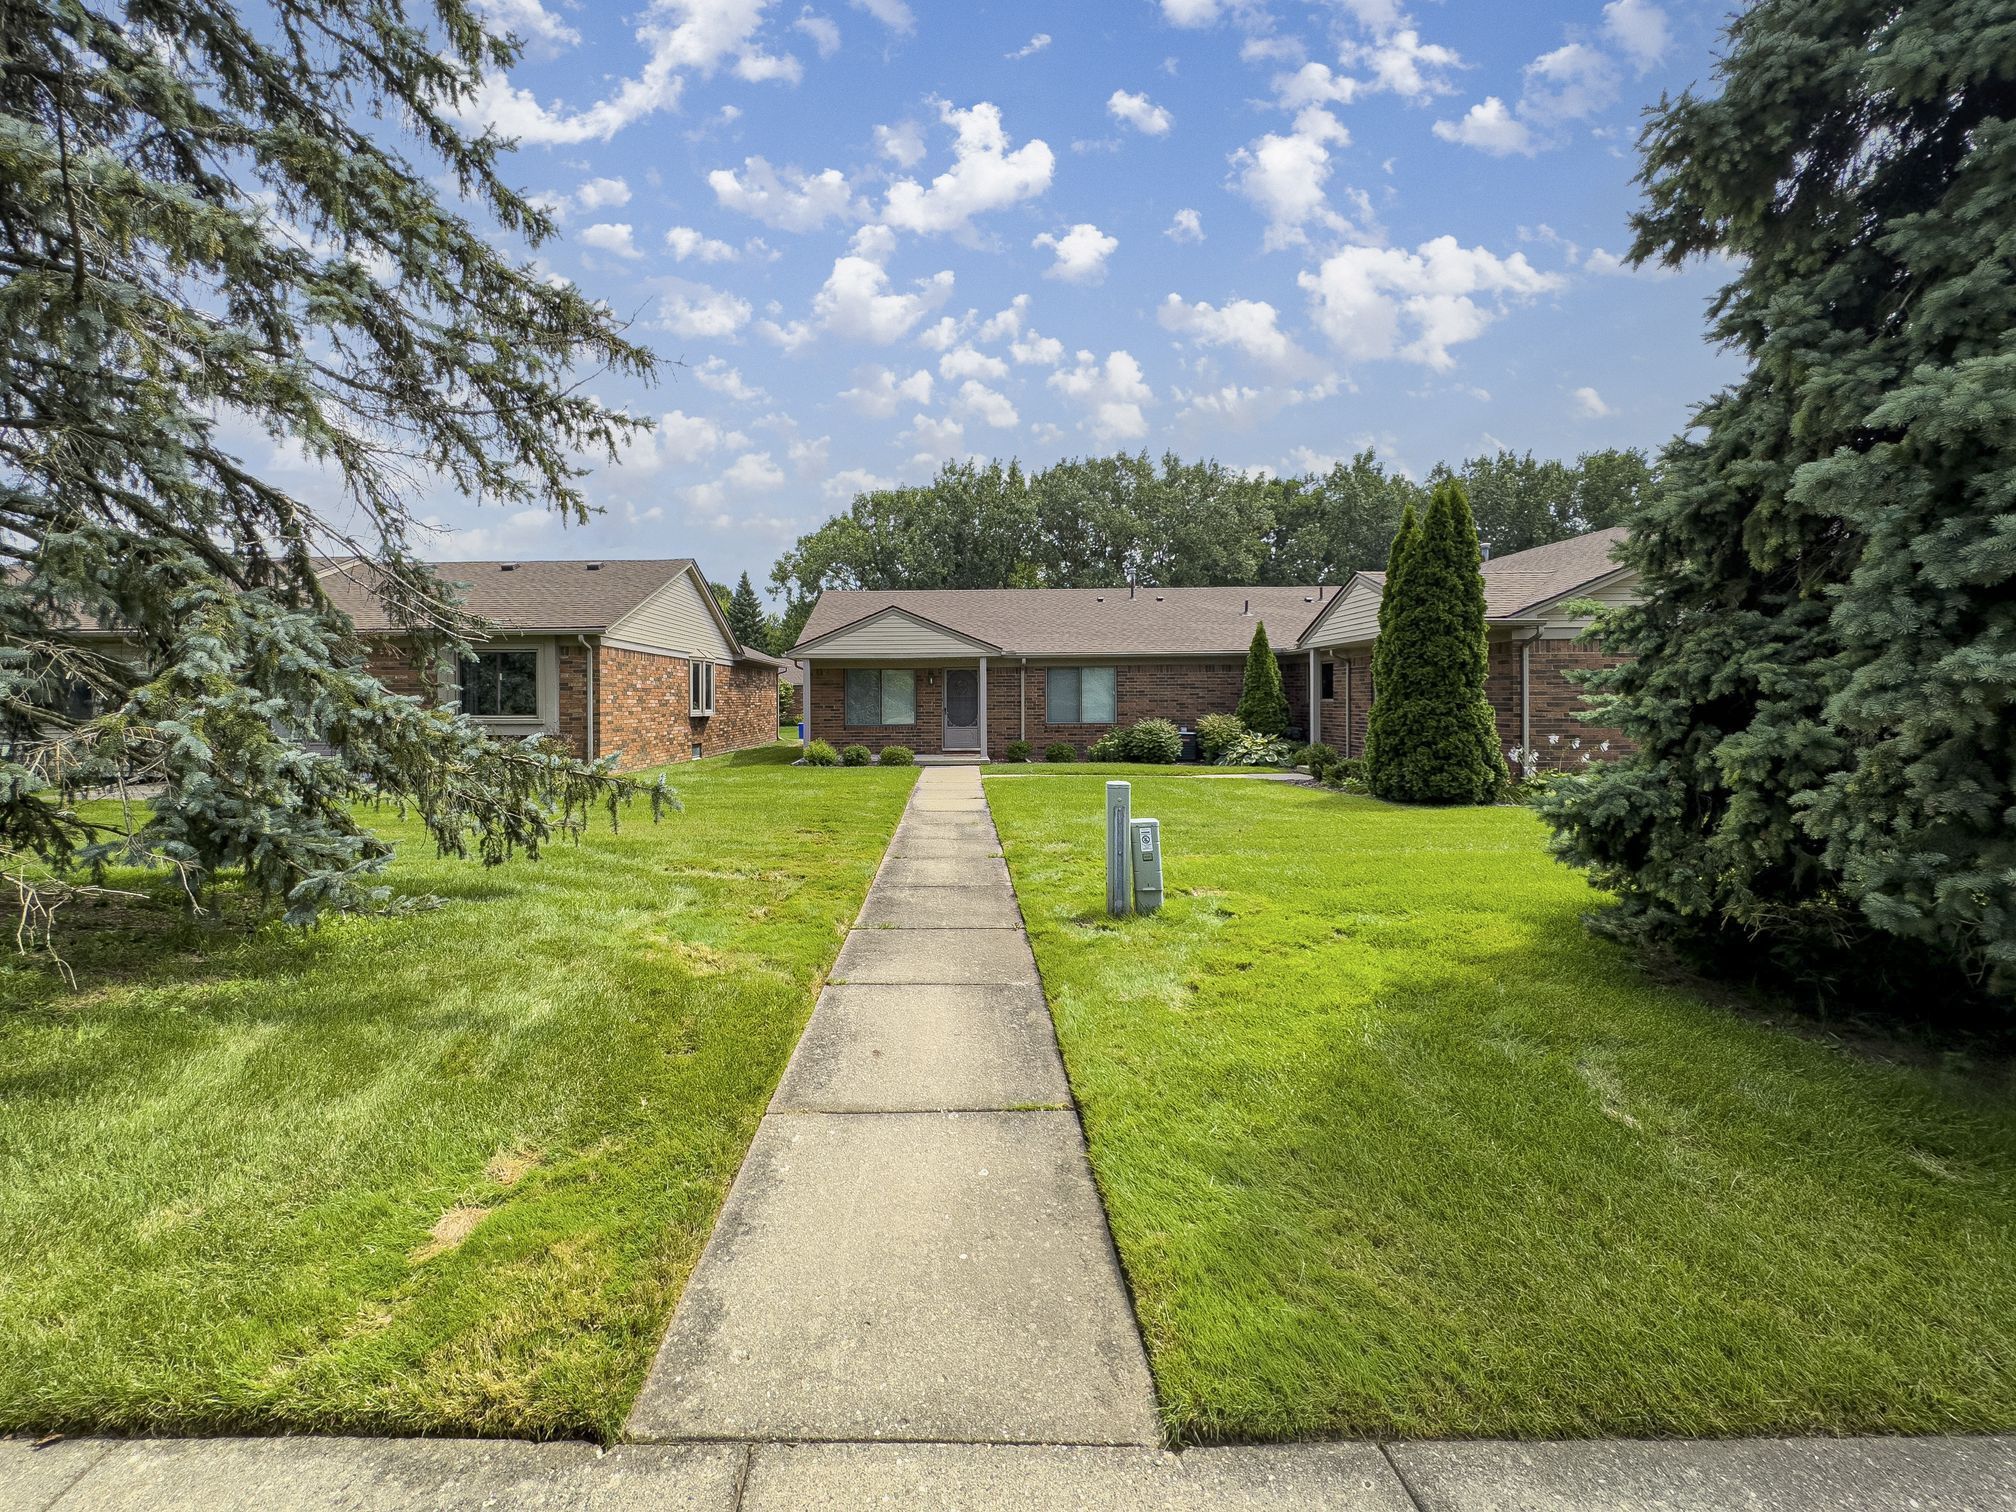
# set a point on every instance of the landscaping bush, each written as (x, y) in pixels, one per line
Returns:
(1112, 746)
(1062, 750)
(1018, 750)
(1255, 749)
(898, 755)
(819, 753)
(1436, 735)
(1217, 731)
(1316, 756)
(1152, 740)
(1263, 706)
(855, 755)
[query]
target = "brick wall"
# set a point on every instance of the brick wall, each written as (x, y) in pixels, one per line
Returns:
(393, 665)
(1554, 700)
(1182, 691)
(643, 701)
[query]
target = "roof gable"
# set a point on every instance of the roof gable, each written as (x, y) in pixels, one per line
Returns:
(551, 596)
(893, 630)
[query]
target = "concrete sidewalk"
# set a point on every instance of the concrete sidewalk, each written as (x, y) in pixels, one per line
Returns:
(405, 1475)
(914, 1249)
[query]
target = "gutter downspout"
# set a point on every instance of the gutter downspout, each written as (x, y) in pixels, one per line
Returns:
(588, 661)
(1525, 695)
(1315, 701)
(1022, 701)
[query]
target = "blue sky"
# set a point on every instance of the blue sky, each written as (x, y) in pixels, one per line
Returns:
(882, 233)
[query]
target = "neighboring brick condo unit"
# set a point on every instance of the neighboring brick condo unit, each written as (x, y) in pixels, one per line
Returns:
(965, 671)
(626, 658)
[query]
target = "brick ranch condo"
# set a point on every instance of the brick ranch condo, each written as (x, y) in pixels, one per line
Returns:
(968, 670)
(626, 658)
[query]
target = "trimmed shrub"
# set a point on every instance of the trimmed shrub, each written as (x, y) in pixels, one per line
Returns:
(855, 755)
(1315, 756)
(1062, 750)
(1263, 707)
(1152, 740)
(1255, 749)
(1217, 731)
(1437, 736)
(1112, 746)
(819, 753)
(1018, 750)
(898, 756)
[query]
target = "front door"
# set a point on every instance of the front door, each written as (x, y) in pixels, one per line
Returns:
(962, 710)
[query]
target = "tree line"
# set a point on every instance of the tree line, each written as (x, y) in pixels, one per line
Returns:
(1097, 522)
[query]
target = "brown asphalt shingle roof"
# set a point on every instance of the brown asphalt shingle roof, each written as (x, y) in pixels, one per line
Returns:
(1186, 621)
(572, 596)
(1526, 579)
(1073, 621)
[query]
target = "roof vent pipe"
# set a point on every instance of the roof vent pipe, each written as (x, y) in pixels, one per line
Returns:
(1485, 547)
(1247, 607)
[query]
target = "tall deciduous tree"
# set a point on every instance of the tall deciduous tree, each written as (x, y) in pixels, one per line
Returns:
(212, 241)
(1438, 737)
(1263, 706)
(1824, 685)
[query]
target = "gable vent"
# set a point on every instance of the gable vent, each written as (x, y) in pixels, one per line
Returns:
(508, 567)
(593, 567)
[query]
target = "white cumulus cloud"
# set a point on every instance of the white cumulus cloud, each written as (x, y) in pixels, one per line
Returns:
(857, 303)
(789, 198)
(704, 313)
(1185, 226)
(879, 393)
(716, 374)
(824, 34)
(1030, 48)
(988, 406)
(685, 242)
(1381, 302)
(1489, 127)
(679, 37)
(530, 21)
(1285, 176)
(1405, 65)
(902, 143)
(985, 175)
(1639, 30)
(1080, 253)
(607, 237)
(1110, 394)
(602, 194)
(970, 362)
(1248, 325)
(1138, 111)
(893, 14)
(1589, 404)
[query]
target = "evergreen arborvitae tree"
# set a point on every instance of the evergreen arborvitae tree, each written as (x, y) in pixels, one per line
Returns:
(746, 619)
(212, 230)
(1438, 738)
(1382, 648)
(1823, 694)
(1263, 706)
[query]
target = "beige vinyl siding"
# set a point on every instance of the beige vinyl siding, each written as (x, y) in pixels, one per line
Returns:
(1356, 618)
(675, 618)
(894, 634)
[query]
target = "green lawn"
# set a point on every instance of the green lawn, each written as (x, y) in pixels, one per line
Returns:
(1392, 1145)
(437, 1174)
(1115, 769)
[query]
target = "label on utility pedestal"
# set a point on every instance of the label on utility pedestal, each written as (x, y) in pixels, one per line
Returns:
(1146, 850)
(1119, 808)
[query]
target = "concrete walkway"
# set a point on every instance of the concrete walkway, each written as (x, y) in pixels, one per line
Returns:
(911, 1300)
(914, 1249)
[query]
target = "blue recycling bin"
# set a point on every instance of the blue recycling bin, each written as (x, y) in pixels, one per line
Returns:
(801, 732)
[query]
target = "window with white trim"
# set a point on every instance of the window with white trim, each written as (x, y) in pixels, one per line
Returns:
(702, 701)
(1079, 695)
(881, 696)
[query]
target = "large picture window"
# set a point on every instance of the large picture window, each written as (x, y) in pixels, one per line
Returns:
(1080, 695)
(702, 700)
(881, 697)
(501, 685)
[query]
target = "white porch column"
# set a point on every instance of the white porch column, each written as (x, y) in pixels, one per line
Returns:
(983, 708)
(1315, 701)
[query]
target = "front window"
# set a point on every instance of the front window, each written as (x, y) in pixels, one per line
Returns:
(702, 701)
(881, 697)
(501, 685)
(1080, 695)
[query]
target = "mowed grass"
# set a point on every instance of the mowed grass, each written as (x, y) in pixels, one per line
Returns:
(444, 1173)
(1392, 1146)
